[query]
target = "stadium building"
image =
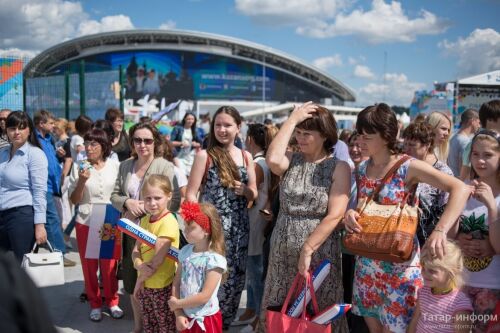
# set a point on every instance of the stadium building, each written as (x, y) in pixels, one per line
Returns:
(166, 65)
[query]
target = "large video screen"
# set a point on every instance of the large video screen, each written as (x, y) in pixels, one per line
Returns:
(176, 75)
(185, 75)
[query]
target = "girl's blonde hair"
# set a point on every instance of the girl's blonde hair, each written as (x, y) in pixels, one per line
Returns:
(452, 262)
(217, 243)
(160, 181)
(493, 138)
(434, 119)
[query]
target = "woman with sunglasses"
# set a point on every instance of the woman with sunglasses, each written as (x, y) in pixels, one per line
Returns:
(23, 175)
(91, 183)
(146, 145)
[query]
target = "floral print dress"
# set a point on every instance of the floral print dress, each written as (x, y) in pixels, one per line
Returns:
(385, 290)
(233, 212)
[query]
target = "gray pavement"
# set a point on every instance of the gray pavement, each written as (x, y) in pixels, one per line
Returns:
(70, 315)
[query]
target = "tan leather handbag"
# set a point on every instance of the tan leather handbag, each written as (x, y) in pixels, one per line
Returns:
(388, 230)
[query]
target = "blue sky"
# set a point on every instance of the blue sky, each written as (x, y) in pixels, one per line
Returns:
(425, 41)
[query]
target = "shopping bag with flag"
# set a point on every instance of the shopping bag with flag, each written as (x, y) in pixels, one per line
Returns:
(104, 240)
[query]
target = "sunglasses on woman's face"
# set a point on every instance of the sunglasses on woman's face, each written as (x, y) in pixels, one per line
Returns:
(146, 141)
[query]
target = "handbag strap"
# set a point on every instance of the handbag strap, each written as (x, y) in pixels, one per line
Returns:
(387, 176)
(290, 293)
(35, 247)
(313, 295)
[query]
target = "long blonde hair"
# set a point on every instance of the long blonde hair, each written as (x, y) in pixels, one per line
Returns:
(434, 119)
(452, 262)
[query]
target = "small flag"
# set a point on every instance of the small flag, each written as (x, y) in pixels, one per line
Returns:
(104, 238)
(331, 313)
(318, 276)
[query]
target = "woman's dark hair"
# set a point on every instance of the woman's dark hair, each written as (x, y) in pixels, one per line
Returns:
(323, 122)
(158, 151)
(106, 126)
(345, 135)
(100, 136)
(193, 127)
(112, 114)
(21, 120)
(83, 124)
(228, 170)
(379, 118)
(420, 131)
(260, 134)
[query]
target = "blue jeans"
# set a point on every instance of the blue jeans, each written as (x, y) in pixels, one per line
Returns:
(53, 225)
(255, 285)
(17, 231)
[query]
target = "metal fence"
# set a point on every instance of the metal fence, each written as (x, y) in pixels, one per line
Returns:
(61, 94)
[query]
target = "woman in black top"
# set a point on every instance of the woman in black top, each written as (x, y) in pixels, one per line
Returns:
(120, 144)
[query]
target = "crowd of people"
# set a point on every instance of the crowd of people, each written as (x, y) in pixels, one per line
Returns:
(253, 205)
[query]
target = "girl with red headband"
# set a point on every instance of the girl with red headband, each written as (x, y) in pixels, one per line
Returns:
(199, 271)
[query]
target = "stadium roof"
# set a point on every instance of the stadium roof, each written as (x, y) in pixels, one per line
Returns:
(81, 47)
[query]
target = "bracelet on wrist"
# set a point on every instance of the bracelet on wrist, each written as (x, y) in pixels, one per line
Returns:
(439, 230)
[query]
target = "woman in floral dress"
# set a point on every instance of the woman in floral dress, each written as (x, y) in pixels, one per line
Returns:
(385, 292)
(225, 177)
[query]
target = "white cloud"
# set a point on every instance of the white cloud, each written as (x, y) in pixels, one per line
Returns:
(325, 63)
(352, 61)
(35, 25)
(477, 53)
(170, 24)
(107, 23)
(385, 22)
(363, 72)
(397, 90)
(17, 53)
(289, 11)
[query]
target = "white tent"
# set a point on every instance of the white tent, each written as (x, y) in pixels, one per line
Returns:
(485, 79)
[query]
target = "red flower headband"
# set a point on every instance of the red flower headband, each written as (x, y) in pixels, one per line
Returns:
(191, 212)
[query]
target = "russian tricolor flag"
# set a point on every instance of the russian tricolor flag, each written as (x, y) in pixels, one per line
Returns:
(104, 240)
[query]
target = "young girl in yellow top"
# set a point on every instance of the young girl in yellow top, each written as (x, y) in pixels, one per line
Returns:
(155, 272)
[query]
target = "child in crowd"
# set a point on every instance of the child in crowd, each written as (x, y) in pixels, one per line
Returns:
(441, 306)
(478, 233)
(155, 272)
(199, 274)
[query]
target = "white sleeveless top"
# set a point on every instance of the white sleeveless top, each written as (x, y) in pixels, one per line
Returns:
(257, 222)
(485, 272)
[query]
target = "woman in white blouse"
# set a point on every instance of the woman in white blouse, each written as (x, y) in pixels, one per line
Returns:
(91, 184)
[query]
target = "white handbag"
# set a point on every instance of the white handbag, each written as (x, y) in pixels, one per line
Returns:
(45, 269)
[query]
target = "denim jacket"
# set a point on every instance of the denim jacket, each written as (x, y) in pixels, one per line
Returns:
(178, 132)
